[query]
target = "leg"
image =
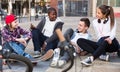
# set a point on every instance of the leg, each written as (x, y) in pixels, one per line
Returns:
(87, 45)
(114, 47)
(49, 50)
(63, 60)
(17, 49)
(38, 39)
(105, 47)
(51, 45)
(68, 34)
(65, 57)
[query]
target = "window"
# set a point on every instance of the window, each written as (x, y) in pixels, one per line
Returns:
(113, 3)
(117, 3)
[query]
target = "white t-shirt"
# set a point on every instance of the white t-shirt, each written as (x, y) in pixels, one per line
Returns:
(49, 27)
(80, 35)
(104, 29)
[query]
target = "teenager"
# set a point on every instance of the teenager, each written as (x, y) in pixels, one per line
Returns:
(15, 38)
(80, 32)
(44, 35)
(105, 28)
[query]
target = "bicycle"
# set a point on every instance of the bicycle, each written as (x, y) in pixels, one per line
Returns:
(8, 56)
(5, 53)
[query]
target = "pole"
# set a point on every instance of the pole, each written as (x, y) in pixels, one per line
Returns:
(64, 11)
(29, 10)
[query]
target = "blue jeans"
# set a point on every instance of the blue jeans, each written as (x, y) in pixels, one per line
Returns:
(17, 48)
(65, 57)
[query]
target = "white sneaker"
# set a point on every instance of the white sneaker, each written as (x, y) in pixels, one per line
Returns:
(56, 54)
(104, 57)
(54, 63)
(61, 63)
(55, 57)
(88, 61)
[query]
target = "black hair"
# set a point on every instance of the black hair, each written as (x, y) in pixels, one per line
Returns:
(52, 9)
(86, 20)
(107, 11)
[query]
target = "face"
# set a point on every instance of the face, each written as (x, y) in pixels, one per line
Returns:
(52, 15)
(82, 27)
(14, 24)
(99, 14)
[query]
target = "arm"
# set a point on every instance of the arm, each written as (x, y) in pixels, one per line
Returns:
(6, 36)
(26, 34)
(41, 24)
(113, 32)
(60, 35)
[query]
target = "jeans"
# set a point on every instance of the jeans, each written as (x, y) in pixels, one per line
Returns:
(68, 34)
(65, 57)
(17, 48)
(38, 40)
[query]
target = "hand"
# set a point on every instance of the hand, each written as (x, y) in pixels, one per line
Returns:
(32, 26)
(108, 40)
(63, 45)
(22, 41)
(77, 48)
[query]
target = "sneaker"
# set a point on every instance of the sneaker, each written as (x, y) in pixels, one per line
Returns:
(36, 54)
(104, 57)
(55, 57)
(56, 54)
(54, 63)
(88, 61)
(61, 63)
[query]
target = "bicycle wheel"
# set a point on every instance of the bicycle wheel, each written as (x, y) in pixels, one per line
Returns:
(21, 62)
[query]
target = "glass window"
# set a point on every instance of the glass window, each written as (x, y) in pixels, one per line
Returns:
(112, 2)
(117, 3)
(99, 2)
(105, 2)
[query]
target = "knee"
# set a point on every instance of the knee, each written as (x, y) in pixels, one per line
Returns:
(80, 41)
(68, 34)
(34, 32)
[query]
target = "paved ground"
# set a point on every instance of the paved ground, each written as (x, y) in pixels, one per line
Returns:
(98, 66)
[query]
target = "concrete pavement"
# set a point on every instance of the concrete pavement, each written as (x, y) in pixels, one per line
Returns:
(98, 65)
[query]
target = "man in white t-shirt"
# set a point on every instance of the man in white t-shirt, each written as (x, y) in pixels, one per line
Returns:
(44, 36)
(80, 32)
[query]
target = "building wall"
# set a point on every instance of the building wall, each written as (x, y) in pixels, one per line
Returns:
(54, 4)
(114, 3)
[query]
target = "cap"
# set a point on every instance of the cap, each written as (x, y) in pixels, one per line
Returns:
(10, 18)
